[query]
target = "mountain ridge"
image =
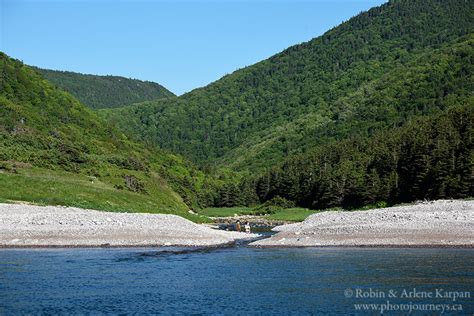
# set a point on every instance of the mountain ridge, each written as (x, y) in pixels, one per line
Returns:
(306, 79)
(105, 91)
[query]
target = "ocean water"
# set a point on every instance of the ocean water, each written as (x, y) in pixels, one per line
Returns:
(237, 280)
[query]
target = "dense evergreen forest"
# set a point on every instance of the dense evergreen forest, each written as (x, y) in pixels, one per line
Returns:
(99, 92)
(303, 97)
(428, 158)
(376, 111)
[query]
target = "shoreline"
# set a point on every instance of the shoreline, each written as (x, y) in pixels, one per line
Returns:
(30, 226)
(381, 246)
(149, 246)
(437, 224)
(233, 244)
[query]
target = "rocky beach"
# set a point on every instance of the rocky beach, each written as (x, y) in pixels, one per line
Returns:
(24, 225)
(442, 223)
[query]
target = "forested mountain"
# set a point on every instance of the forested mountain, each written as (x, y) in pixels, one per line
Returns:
(55, 150)
(430, 83)
(378, 110)
(99, 92)
(428, 158)
(375, 71)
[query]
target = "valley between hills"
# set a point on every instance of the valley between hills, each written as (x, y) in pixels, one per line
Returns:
(377, 112)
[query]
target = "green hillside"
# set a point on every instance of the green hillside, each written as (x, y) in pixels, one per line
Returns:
(54, 150)
(428, 158)
(376, 111)
(327, 89)
(430, 83)
(100, 92)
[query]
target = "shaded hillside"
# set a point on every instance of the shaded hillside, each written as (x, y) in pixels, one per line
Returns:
(100, 92)
(55, 150)
(428, 158)
(303, 97)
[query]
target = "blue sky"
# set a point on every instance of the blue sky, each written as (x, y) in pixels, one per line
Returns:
(181, 44)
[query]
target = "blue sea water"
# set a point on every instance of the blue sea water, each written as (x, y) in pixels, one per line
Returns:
(237, 280)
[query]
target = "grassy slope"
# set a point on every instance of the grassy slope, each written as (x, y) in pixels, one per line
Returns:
(105, 91)
(259, 111)
(58, 187)
(53, 147)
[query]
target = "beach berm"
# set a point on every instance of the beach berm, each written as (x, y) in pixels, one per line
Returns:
(442, 223)
(23, 225)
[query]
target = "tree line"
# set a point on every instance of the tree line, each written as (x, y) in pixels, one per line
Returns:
(428, 158)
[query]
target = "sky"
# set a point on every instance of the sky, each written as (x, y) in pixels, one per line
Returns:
(181, 44)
